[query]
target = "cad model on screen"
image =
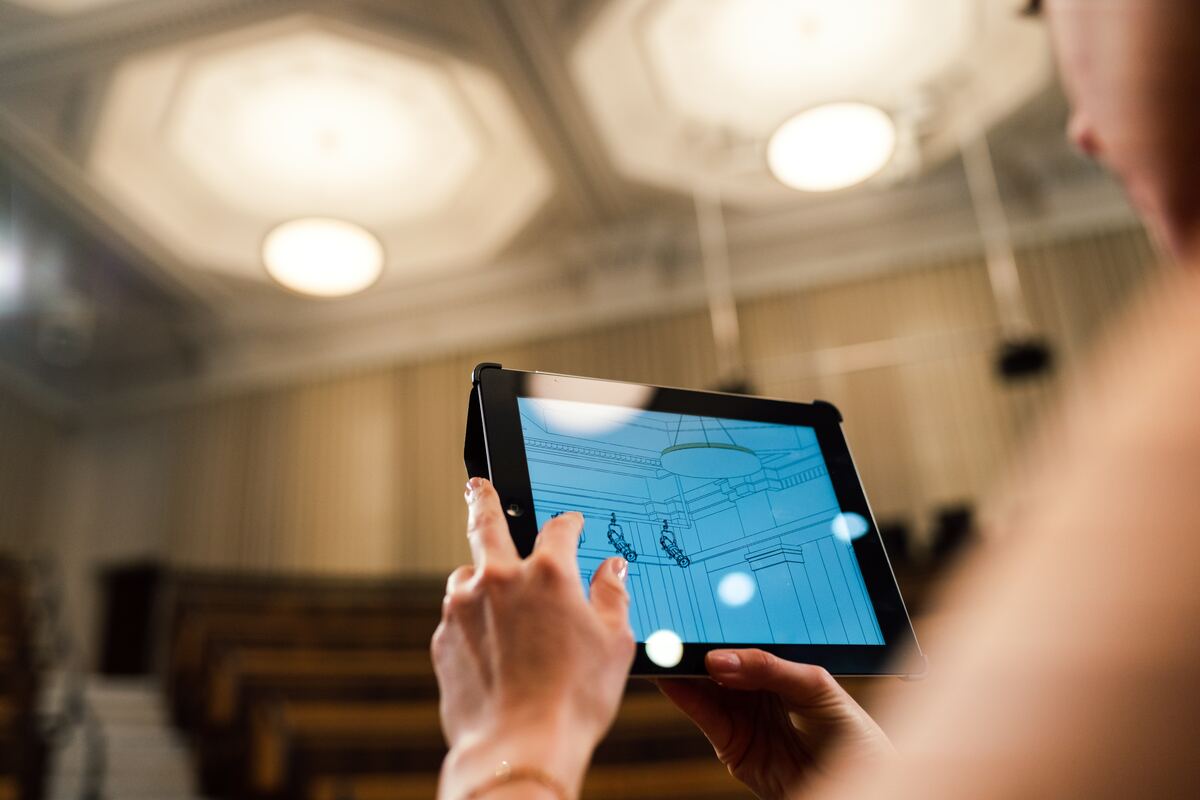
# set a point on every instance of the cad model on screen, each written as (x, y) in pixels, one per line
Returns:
(731, 528)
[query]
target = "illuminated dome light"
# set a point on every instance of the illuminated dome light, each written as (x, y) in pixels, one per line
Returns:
(664, 648)
(323, 257)
(831, 147)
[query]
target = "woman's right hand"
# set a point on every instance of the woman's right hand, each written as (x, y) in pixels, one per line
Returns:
(777, 726)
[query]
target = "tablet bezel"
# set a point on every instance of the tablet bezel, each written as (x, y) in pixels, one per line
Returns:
(504, 450)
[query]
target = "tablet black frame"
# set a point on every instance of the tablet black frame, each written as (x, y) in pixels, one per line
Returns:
(496, 450)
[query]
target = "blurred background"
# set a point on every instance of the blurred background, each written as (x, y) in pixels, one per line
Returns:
(250, 250)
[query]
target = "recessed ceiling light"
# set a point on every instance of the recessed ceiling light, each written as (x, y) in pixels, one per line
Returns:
(831, 147)
(323, 257)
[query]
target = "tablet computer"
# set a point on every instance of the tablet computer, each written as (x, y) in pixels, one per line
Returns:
(743, 519)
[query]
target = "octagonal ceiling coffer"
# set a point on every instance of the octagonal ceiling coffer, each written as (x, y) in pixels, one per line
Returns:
(688, 93)
(212, 143)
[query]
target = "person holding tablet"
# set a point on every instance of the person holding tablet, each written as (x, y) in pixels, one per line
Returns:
(1070, 668)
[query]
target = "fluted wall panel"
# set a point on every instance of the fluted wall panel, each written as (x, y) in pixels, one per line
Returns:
(27, 440)
(362, 473)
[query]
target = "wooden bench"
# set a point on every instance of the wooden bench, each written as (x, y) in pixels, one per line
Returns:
(249, 678)
(692, 779)
(247, 596)
(326, 672)
(200, 595)
(208, 591)
(204, 641)
(291, 744)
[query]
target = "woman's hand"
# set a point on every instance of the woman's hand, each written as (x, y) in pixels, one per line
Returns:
(777, 725)
(531, 672)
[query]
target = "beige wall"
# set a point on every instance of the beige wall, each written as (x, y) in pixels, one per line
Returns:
(27, 439)
(362, 473)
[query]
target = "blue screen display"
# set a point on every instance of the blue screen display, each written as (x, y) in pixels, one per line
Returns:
(732, 529)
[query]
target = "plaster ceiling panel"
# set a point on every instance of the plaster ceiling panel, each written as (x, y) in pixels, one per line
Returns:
(687, 94)
(738, 64)
(211, 143)
(65, 7)
(312, 119)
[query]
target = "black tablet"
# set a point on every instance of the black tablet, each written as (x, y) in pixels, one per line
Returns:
(743, 519)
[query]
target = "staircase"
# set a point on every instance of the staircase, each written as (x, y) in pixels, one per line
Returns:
(142, 755)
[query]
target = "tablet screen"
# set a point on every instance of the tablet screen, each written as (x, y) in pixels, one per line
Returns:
(732, 528)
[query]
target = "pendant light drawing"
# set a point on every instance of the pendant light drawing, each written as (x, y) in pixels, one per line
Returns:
(671, 547)
(705, 449)
(616, 537)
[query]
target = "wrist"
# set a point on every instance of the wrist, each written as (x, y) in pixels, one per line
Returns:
(560, 752)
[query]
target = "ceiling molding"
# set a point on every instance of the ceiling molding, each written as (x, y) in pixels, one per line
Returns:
(547, 302)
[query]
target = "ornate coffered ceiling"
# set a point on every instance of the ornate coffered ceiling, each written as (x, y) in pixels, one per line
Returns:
(474, 139)
(212, 142)
(688, 93)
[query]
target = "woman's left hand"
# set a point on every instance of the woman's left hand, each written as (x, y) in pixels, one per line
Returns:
(530, 670)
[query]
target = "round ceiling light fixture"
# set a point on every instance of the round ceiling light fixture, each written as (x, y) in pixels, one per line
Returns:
(323, 257)
(703, 447)
(830, 147)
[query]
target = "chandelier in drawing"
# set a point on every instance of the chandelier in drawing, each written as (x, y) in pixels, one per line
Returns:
(703, 447)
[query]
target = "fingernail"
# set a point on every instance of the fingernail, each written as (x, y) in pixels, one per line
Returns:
(724, 662)
(473, 487)
(622, 569)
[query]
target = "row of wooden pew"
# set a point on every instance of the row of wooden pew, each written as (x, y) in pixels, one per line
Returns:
(22, 754)
(323, 690)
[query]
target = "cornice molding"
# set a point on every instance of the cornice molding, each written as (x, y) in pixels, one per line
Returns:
(555, 306)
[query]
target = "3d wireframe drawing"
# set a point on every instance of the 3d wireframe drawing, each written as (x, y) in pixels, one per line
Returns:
(727, 524)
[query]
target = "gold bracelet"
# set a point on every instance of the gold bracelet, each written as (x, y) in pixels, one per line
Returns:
(506, 774)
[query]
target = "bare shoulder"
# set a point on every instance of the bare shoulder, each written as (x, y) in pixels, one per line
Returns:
(1073, 640)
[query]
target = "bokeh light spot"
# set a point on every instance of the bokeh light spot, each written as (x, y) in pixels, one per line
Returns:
(736, 589)
(664, 648)
(848, 526)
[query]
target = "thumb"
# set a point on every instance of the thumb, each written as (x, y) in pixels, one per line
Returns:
(799, 685)
(608, 594)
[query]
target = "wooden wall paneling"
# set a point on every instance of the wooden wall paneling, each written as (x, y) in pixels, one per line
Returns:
(27, 440)
(361, 473)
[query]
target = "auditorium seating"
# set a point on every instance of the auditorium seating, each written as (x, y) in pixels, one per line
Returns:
(305, 688)
(22, 754)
